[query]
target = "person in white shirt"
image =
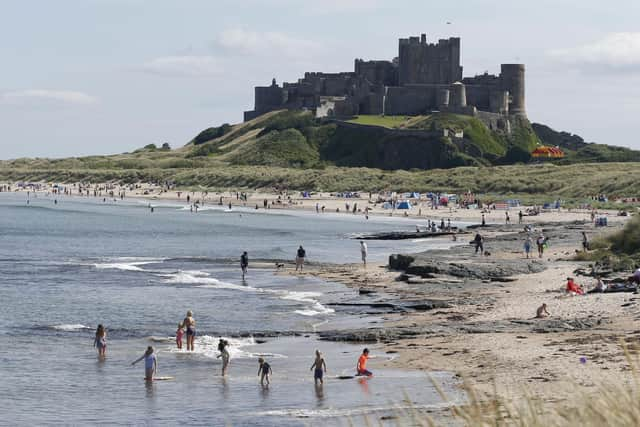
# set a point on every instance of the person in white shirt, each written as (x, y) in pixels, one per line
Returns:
(363, 252)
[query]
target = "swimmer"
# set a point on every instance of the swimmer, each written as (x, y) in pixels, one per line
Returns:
(361, 367)
(190, 323)
(224, 354)
(150, 364)
(179, 334)
(264, 371)
(100, 341)
(319, 368)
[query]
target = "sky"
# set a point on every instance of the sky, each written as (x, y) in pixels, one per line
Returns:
(83, 77)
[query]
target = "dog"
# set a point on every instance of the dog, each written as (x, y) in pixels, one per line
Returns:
(487, 253)
(279, 265)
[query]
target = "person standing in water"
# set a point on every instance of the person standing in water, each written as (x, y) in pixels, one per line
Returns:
(190, 323)
(301, 254)
(100, 341)
(179, 334)
(319, 368)
(264, 371)
(244, 263)
(150, 363)
(224, 354)
(364, 252)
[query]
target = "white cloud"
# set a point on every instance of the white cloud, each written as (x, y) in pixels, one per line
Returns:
(238, 40)
(615, 51)
(46, 95)
(184, 66)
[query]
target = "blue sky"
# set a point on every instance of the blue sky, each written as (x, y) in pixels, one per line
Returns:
(106, 76)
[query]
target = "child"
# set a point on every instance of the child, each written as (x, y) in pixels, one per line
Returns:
(224, 354)
(264, 371)
(527, 246)
(150, 364)
(100, 341)
(361, 367)
(320, 368)
(179, 334)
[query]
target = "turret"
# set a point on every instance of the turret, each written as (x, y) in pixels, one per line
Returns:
(458, 96)
(512, 81)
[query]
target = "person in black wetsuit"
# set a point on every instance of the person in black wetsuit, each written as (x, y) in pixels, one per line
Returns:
(244, 263)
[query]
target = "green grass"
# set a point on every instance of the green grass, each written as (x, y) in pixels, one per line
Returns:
(389, 122)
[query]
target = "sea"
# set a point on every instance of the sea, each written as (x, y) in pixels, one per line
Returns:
(68, 264)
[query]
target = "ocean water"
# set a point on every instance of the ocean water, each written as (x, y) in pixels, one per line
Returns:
(66, 267)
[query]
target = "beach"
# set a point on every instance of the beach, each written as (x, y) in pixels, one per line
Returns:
(446, 311)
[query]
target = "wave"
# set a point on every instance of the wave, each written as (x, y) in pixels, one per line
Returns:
(69, 327)
(200, 278)
(349, 412)
(127, 263)
(207, 346)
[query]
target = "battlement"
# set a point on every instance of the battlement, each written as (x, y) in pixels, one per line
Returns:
(422, 41)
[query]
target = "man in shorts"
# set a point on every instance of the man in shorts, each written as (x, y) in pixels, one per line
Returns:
(301, 254)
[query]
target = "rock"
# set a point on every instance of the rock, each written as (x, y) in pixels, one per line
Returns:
(363, 291)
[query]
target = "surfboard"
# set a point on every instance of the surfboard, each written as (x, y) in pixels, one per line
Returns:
(162, 378)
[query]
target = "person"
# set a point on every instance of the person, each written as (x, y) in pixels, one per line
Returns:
(478, 242)
(507, 220)
(573, 287)
(190, 323)
(300, 256)
(264, 371)
(483, 221)
(542, 312)
(361, 367)
(244, 263)
(540, 241)
(600, 286)
(520, 215)
(363, 252)
(224, 354)
(150, 363)
(527, 245)
(319, 368)
(100, 341)
(585, 242)
(635, 278)
(179, 335)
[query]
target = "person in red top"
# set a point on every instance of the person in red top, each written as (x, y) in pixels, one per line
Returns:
(361, 368)
(574, 287)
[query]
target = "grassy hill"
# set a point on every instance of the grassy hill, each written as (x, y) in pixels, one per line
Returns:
(292, 149)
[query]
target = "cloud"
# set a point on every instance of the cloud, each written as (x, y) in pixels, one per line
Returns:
(268, 43)
(67, 97)
(614, 52)
(184, 66)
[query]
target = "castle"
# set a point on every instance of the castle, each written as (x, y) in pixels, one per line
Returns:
(425, 77)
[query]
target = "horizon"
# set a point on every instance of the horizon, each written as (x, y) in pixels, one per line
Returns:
(110, 76)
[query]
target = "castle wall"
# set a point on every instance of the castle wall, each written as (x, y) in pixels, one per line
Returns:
(412, 99)
(383, 73)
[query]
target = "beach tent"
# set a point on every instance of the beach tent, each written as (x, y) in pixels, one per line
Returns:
(404, 205)
(387, 205)
(548, 152)
(414, 195)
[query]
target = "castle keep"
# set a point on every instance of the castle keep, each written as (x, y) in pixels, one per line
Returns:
(425, 77)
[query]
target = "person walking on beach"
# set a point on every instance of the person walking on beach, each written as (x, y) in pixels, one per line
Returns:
(507, 219)
(264, 372)
(478, 241)
(179, 335)
(224, 354)
(520, 215)
(150, 363)
(527, 245)
(364, 252)
(244, 263)
(540, 242)
(301, 254)
(361, 367)
(483, 221)
(585, 242)
(319, 368)
(190, 323)
(100, 341)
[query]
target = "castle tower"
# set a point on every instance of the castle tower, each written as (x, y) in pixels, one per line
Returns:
(458, 96)
(512, 80)
(420, 62)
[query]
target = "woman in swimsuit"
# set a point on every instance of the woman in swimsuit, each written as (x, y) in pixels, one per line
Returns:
(190, 323)
(100, 341)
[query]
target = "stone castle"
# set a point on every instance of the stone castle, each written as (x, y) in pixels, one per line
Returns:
(425, 77)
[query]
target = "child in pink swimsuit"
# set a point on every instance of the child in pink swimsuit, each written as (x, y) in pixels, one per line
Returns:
(179, 334)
